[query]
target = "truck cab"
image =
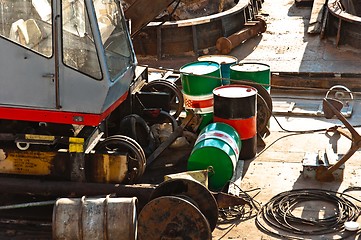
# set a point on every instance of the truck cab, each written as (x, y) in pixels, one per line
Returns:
(63, 61)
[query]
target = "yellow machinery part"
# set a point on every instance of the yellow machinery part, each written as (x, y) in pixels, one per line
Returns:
(26, 162)
(108, 168)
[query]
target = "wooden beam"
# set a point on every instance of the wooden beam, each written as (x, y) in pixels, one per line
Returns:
(315, 24)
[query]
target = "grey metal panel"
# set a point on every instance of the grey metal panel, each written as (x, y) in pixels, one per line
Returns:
(80, 93)
(119, 87)
(21, 77)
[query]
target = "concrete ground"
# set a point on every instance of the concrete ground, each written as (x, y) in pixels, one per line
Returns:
(287, 47)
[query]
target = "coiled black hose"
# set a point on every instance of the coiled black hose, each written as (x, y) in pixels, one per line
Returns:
(277, 214)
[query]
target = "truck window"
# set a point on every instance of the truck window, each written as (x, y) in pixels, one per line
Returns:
(114, 36)
(79, 51)
(28, 23)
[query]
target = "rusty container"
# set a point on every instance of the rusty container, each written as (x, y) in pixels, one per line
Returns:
(95, 218)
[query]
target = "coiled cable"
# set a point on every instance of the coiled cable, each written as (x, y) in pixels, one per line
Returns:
(278, 214)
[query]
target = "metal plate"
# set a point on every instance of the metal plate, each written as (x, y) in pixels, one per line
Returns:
(194, 191)
(172, 217)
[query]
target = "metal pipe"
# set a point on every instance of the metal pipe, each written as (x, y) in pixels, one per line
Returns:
(26, 205)
(225, 44)
(74, 189)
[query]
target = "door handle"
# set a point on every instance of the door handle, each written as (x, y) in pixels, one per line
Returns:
(49, 75)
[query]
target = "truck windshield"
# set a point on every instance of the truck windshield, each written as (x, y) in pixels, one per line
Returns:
(28, 23)
(114, 36)
(79, 49)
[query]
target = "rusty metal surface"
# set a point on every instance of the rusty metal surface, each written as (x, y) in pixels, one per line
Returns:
(343, 24)
(191, 36)
(251, 28)
(95, 218)
(172, 217)
(198, 193)
(108, 168)
(332, 108)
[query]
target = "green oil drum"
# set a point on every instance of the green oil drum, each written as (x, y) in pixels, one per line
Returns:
(225, 61)
(198, 81)
(254, 72)
(218, 146)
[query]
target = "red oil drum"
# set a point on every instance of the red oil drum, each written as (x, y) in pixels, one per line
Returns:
(236, 105)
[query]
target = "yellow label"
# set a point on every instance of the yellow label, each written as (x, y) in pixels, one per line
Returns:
(76, 140)
(29, 162)
(76, 144)
(39, 137)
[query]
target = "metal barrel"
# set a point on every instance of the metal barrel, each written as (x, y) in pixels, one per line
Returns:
(236, 105)
(95, 218)
(217, 147)
(250, 71)
(198, 81)
(225, 61)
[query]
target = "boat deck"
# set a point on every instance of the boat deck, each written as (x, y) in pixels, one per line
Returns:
(291, 52)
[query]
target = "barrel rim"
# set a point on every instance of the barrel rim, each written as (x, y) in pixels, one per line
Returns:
(200, 58)
(195, 63)
(245, 63)
(233, 86)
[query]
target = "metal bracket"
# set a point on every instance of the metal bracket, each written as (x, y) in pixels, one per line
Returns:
(332, 108)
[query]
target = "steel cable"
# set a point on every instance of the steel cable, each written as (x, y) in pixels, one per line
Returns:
(277, 214)
(241, 212)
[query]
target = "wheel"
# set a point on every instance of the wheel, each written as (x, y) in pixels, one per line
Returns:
(124, 144)
(176, 96)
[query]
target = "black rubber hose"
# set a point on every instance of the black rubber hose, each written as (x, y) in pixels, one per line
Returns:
(136, 127)
(277, 214)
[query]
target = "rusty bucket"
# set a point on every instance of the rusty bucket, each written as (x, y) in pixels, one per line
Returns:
(95, 218)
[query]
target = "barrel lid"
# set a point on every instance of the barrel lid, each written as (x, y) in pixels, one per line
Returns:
(200, 68)
(226, 59)
(250, 67)
(235, 91)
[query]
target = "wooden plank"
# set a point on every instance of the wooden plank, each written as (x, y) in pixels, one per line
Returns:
(318, 82)
(315, 24)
